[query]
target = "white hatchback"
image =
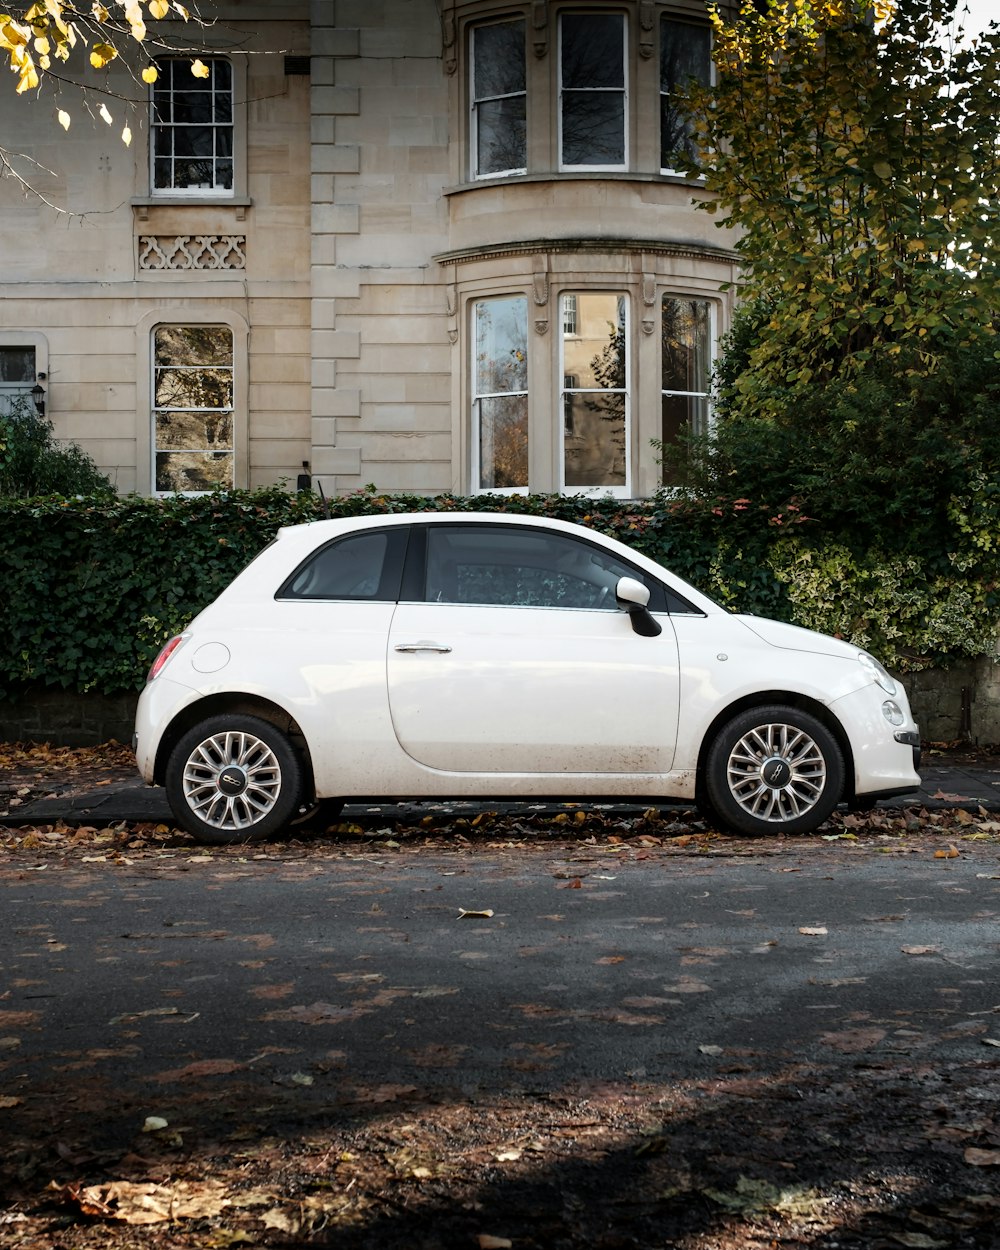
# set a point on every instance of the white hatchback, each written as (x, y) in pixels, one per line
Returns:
(489, 656)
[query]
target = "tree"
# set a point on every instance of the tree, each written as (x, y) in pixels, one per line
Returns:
(61, 44)
(858, 157)
(33, 463)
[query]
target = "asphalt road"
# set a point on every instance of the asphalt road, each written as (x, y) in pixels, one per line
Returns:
(201, 986)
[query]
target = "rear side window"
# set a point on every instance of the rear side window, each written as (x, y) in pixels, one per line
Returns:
(361, 566)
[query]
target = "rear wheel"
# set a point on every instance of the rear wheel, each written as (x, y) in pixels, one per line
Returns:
(774, 770)
(233, 779)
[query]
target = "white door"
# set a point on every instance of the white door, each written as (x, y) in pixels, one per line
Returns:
(518, 684)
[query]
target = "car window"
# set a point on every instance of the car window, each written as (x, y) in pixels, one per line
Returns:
(494, 564)
(360, 566)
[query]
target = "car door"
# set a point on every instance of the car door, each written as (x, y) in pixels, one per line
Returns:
(513, 657)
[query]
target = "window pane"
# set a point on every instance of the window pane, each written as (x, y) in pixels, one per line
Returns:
(682, 413)
(194, 471)
(498, 53)
(194, 345)
(190, 430)
(17, 364)
(501, 143)
(686, 344)
(503, 442)
(595, 440)
(593, 128)
(592, 50)
(685, 53)
(519, 568)
(595, 352)
(351, 569)
(501, 345)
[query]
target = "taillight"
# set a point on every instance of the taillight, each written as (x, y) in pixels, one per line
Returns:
(164, 655)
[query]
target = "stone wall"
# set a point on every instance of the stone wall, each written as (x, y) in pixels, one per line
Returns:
(959, 703)
(65, 718)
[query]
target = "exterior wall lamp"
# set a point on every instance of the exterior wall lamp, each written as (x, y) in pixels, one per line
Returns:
(38, 395)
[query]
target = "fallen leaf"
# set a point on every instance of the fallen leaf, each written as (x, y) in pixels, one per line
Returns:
(489, 1242)
(467, 914)
(919, 950)
(982, 1158)
(819, 931)
(950, 853)
(145, 1202)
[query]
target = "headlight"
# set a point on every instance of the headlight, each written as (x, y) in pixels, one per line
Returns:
(876, 672)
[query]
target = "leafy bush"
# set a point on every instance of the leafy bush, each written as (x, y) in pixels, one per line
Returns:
(33, 463)
(93, 587)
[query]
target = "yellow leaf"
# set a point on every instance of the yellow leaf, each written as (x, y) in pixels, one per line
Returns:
(127, 136)
(158, 8)
(64, 119)
(199, 68)
(28, 80)
(12, 35)
(102, 54)
(105, 115)
(950, 853)
(150, 74)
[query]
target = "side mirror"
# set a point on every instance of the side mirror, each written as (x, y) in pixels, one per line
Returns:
(633, 597)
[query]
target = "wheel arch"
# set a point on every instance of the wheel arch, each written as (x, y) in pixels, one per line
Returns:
(767, 698)
(233, 703)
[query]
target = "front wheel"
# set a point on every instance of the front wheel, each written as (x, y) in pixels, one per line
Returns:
(774, 770)
(233, 779)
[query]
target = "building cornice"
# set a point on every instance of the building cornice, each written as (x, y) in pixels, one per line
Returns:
(535, 247)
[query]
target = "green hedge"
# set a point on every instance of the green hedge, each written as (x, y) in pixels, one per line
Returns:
(91, 588)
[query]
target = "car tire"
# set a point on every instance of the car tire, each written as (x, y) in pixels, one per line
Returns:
(774, 769)
(233, 779)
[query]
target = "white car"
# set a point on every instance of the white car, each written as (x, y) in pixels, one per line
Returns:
(488, 656)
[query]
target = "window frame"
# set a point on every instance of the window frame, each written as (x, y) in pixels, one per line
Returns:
(26, 340)
(677, 19)
(390, 578)
(624, 165)
(475, 101)
(156, 409)
(237, 195)
(476, 396)
(625, 297)
(422, 554)
(712, 347)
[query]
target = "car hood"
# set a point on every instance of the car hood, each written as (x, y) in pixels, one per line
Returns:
(794, 638)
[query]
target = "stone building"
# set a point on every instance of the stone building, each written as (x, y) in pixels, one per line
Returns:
(428, 244)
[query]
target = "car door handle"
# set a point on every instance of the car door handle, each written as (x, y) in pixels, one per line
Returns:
(424, 645)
